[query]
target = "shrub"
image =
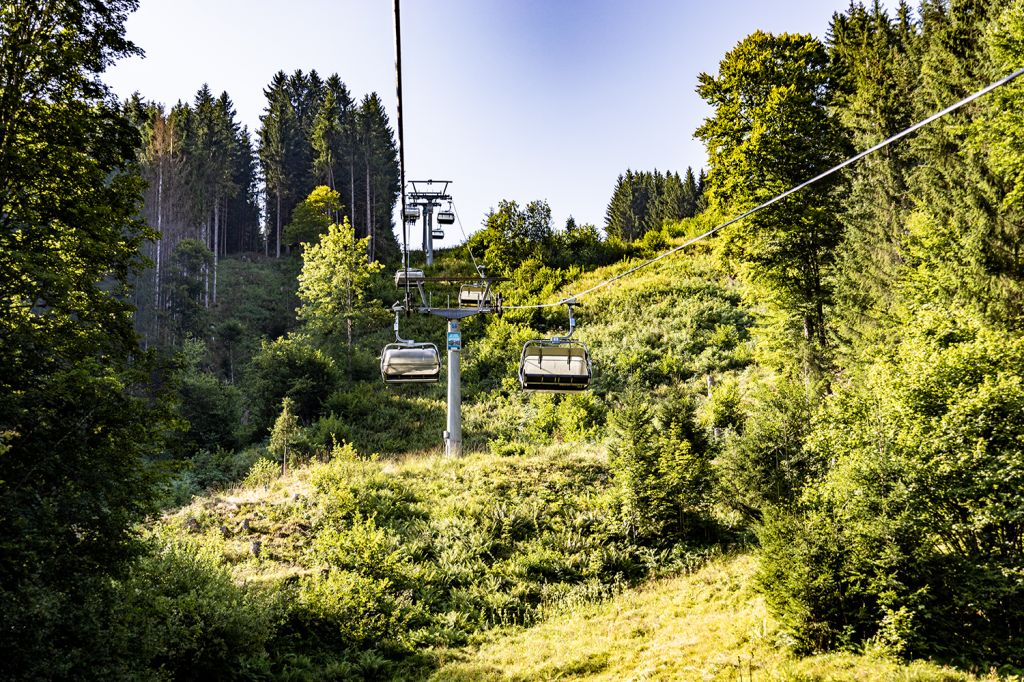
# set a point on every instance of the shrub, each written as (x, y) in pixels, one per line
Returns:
(262, 473)
(765, 462)
(352, 609)
(922, 502)
(288, 367)
(572, 417)
(661, 464)
(183, 616)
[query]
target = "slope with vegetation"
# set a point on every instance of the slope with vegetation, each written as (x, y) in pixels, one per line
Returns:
(807, 430)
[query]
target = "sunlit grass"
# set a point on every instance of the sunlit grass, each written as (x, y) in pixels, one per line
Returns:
(707, 626)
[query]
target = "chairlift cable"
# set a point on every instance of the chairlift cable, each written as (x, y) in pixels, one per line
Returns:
(881, 145)
(401, 141)
(466, 237)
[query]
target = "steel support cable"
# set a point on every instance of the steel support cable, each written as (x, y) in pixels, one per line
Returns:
(401, 143)
(853, 159)
(466, 237)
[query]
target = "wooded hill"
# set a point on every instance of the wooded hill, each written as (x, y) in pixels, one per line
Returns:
(819, 408)
(207, 182)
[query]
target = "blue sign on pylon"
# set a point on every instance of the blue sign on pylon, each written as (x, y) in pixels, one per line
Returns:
(454, 340)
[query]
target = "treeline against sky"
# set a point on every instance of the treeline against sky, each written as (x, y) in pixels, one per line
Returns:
(643, 201)
(213, 191)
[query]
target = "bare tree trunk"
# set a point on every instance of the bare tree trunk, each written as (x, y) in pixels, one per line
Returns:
(369, 223)
(330, 183)
(159, 228)
(352, 193)
(348, 328)
(216, 245)
(206, 268)
(278, 222)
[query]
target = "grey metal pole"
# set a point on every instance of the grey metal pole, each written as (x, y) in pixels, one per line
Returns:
(453, 436)
(428, 219)
(426, 231)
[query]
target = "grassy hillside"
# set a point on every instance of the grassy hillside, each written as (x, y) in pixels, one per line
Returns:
(710, 625)
(574, 539)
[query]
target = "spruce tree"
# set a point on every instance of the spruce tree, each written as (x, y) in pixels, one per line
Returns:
(877, 69)
(278, 133)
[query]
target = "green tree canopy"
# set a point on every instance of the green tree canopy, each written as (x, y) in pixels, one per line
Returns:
(771, 130)
(333, 284)
(314, 215)
(74, 425)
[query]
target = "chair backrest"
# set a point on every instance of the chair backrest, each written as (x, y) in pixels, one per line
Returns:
(402, 363)
(413, 275)
(555, 367)
(472, 295)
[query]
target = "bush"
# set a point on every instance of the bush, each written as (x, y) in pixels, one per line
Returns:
(213, 411)
(183, 616)
(763, 461)
(288, 368)
(912, 538)
(262, 473)
(661, 464)
(212, 469)
(572, 417)
(353, 610)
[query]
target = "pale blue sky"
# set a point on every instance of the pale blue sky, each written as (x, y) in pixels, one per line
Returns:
(531, 99)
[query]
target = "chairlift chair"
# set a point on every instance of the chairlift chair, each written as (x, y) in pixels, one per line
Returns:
(437, 234)
(409, 362)
(445, 217)
(474, 295)
(557, 365)
(414, 276)
(412, 214)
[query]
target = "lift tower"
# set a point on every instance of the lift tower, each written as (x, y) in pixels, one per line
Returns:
(427, 198)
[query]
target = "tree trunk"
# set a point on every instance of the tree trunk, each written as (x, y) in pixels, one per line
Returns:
(159, 228)
(216, 245)
(352, 193)
(206, 268)
(348, 328)
(369, 224)
(278, 222)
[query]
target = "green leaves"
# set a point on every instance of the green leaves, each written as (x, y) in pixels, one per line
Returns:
(334, 282)
(772, 130)
(913, 533)
(312, 217)
(74, 411)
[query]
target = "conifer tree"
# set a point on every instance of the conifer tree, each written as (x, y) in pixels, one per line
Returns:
(964, 239)
(877, 69)
(379, 170)
(278, 132)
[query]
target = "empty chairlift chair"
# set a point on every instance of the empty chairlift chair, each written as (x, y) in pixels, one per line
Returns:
(414, 276)
(409, 362)
(411, 214)
(445, 218)
(474, 296)
(436, 233)
(557, 365)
